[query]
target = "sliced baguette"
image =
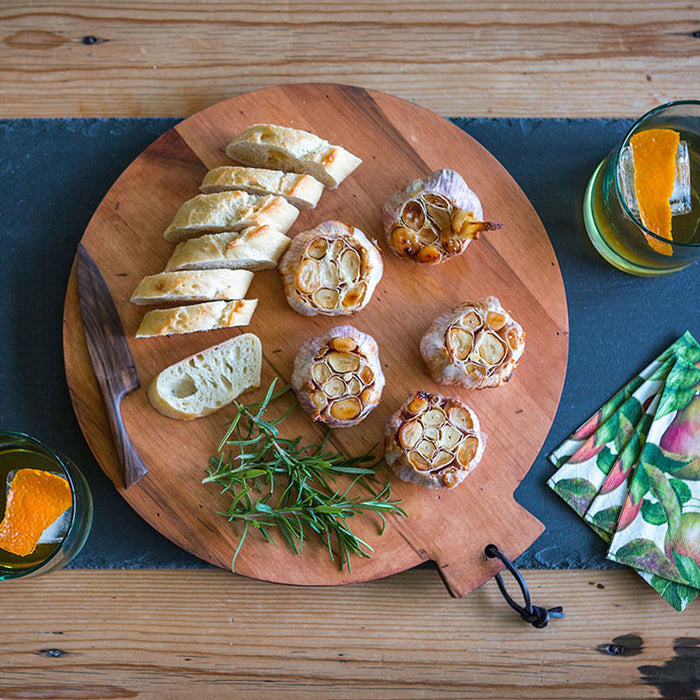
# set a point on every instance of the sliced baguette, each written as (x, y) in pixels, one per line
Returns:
(203, 383)
(229, 211)
(302, 191)
(293, 150)
(192, 286)
(255, 248)
(198, 317)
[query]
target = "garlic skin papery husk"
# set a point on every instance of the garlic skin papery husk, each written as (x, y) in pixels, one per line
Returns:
(434, 218)
(433, 440)
(475, 345)
(331, 269)
(337, 376)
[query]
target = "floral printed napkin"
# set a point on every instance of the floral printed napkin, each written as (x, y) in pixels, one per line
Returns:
(599, 465)
(659, 527)
(562, 453)
(604, 509)
(580, 478)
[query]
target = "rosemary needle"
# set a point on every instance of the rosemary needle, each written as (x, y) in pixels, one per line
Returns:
(279, 484)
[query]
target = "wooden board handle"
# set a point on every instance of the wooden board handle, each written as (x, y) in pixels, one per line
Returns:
(463, 572)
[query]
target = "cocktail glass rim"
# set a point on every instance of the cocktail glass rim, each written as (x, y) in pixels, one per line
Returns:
(60, 461)
(618, 189)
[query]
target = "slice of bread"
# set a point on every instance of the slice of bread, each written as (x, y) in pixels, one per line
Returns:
(255, 248)
(197, 317)
(229, 211)
(192, 286)
(292, 150)
(203, 383)
(302, 191)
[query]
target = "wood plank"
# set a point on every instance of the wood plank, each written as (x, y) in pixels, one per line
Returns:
(67, 635)
(486, 58)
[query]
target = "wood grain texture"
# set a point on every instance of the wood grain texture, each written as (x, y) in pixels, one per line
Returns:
(213, 635)
(398, 142)
(179, 634)
(485, 58)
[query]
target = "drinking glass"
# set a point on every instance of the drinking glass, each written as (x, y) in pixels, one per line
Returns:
(615, 227)
(61, 541)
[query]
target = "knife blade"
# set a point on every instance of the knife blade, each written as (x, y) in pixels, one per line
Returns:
(111, 358)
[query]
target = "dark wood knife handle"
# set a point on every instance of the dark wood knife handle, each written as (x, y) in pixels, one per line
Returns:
(134, 468)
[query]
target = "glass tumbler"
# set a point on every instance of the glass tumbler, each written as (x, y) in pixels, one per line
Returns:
(611, 217)
(62, 540)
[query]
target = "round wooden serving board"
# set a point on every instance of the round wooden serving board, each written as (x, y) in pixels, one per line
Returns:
(398, 142)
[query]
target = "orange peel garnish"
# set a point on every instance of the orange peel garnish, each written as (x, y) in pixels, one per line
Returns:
(35, 500)
(654, 153)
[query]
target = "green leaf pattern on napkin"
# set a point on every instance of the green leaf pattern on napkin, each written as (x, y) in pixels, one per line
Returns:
(609, 500)
(594, 458)
(631, 470)
(676, 594)
(680, 389)
(663, 511)
(561, 454)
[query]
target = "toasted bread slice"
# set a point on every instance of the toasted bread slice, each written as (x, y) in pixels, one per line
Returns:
(292, 150)
(229, 211)
(255, 248)
(203, 383)
(302, 191)
(197, 317)
(192, 286)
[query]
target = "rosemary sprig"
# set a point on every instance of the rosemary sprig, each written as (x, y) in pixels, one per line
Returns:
(277, 483)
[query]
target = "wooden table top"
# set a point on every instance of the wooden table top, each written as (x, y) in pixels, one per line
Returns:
(175, 634)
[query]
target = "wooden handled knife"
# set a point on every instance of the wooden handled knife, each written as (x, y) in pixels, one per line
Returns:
(111, 358)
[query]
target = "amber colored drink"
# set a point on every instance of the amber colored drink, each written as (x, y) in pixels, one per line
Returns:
(64, 538)
(619, 235)
(10, 460)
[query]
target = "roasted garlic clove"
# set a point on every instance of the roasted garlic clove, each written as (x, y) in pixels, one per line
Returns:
(474, 345)
(331, 269)
(337, 377)
(342, 362)
(434, 218)
(433, 440)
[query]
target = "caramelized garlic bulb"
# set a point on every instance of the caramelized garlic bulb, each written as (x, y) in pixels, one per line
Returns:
(475, 345)
(337, 377)
(331, 269)
(434, 218)
(433, 440)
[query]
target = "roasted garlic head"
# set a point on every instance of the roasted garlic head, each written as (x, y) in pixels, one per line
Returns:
(337, 377)
(331, 269)
(433, 440)
(434, 218)
(475, 345)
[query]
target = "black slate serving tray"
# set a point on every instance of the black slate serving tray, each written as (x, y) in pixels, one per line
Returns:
(53, 174)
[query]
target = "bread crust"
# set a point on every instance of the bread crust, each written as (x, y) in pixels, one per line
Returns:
(229, 211)
(293, 150)
(301, 190)
(254, 248)
(192, 286)
(197, 317)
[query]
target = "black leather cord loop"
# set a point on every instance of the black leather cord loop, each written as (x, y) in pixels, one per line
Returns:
(532, 614)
